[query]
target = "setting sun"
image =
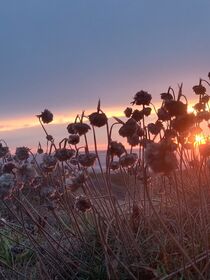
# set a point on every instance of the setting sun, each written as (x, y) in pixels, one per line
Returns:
(199, 139)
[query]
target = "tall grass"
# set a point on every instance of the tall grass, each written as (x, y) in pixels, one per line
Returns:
(144, 215)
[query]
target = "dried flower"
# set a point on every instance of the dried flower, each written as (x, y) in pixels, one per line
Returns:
(199, 89)
(47, 191)
(114, 165)
(49, 163)
(64, 154)
(175, 108)
(73, 139)
(155, 128)
(128, 112)
(78, 128)
(87, 159)
(3, 151)
(49, 138)
(133, 140)
(142, 98)
(116, 148)
(98, 119)
(166, 96)
(137, 115)
(25, 173)
(46, 116)
(128, 160)
(147, 111)
(22, 153)
(82, 204)
(163, 115)
(129, 128)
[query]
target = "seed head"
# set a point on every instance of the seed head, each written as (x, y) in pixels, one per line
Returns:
(128, 160)
(73, 139)
(116, 148)
(142, 98)
(98, 119)
(82, 204)
(46, 116)
(64, 154)
(128, 112)
(22, 153)
(199, 90)
(87, 159)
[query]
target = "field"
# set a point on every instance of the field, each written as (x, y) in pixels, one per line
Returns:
(141, 214)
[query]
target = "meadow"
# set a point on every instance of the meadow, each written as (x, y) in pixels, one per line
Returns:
(143, 212)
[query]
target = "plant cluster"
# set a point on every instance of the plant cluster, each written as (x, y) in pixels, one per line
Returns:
(144, 215)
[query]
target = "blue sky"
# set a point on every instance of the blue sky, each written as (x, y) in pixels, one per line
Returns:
(64, 55)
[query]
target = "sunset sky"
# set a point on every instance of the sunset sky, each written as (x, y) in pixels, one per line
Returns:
(65, 55)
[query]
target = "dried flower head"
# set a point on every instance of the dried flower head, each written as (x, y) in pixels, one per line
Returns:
(49, 163)
(3, 150)
(166, 96)
(98, 119)
(137, 115)
(128, 160)
(199, 89)
(83, 204)
(163, 114)
(25, 173)
(22, 153)
(78, 128)
(64, 154)
(142, 98)
(133, 140)
(129, 128)
(114, 165)
(116, 148)
(175, 108)
(155, 128)
(128, 112)
(46, 116)
(73, 139)
(87, 159)
(147, 111)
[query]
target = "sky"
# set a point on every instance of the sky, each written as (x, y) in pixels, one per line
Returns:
(64, 55)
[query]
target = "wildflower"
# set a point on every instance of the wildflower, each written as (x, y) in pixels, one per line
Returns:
(49, 163)
(114, 165)
(133, 140)
(7, 183)
(137, 115)
(128, 160)
(155, 128)
(87, 159)
(3, 151)
(98, 119)
(73, 139)
(116, 148)
(22, 153)
(49, 138)
(82, 204)
(142, 98)
(128, 112)
(205, 98)
(163, 115)
(175, 108)
(199, 89)
(129, 128)
(166, 96)
(46, 116)
(64, 154)
(147, 111)
(78, 128)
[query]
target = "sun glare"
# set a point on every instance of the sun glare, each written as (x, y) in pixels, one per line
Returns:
(199, 139)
